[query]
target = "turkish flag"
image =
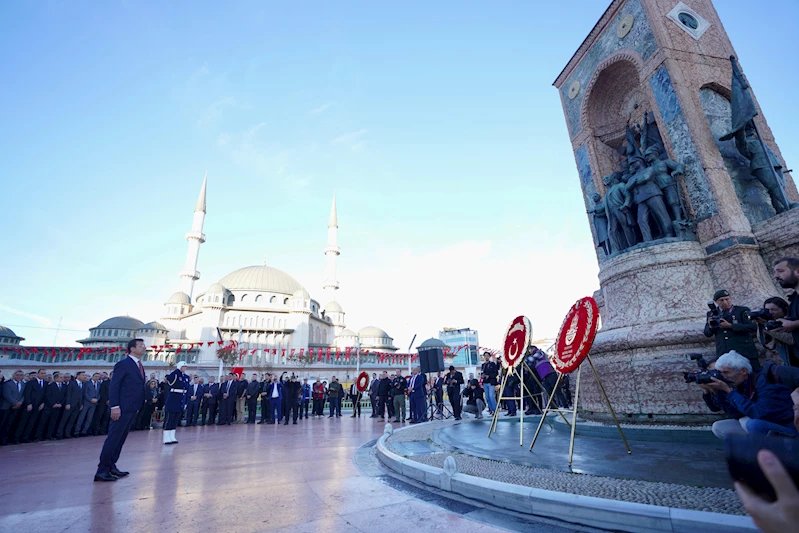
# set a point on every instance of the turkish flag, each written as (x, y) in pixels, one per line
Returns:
(274, 351)
(253, 352)
(292, 352)
(320, 354)
(283, 354)
(348, 352)
(238, 370)
(302, 352)
(328, 353)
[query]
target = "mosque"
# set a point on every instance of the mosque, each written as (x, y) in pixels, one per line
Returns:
(265, 309)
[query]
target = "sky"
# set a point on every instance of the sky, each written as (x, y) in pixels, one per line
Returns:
(436, 123)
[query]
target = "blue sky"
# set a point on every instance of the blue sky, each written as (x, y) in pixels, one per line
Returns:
(435, 122)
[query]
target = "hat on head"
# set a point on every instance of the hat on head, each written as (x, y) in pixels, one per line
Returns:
(181, 364)
(720, 294)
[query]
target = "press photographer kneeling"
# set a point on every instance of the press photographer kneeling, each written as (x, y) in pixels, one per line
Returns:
(758, 407)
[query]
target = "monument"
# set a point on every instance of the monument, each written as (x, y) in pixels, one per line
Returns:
(671, 144)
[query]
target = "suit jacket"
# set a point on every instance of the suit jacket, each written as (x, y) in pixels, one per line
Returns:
(12, 393)
(74, 395)
(104, 391)
(53, 395)
(198, 393)
(419, 381)
(126, 390)
(213, 390)
(91, 391)
(271, 387)
(230, 388)
(33, 393)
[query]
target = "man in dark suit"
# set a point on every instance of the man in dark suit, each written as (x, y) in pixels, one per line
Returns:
(54, 396)
(126, 396)
(11, 406)
(91, 397)
(228, 401)
(103, 412)
(274, 391)
(193, 401)
(253, 390)
(72, 407)
(453, 381)
(417, 392)
(266, 414)
(33, 405)
(210, 395)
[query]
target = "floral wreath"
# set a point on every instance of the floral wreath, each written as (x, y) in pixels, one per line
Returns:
(362, 382)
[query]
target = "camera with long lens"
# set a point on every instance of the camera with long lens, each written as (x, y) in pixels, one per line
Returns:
(772, 324)
(760, 314)
(704, 375)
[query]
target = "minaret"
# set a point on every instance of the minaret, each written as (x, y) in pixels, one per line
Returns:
(332, 251)
(195, 237)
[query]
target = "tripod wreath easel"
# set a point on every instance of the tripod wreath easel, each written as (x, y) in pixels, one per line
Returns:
(574, 341)
(517, 342)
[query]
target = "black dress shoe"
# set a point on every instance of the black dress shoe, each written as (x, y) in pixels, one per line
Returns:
(117, 473)
(105, 477)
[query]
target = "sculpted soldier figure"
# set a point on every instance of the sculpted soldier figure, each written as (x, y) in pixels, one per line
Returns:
(649, 198)
(665, 172)
(759, 164)
(617, 204)
(600, 219)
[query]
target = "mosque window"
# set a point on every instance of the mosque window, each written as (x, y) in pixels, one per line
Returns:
(243, 297)
(286, 301)
(232, 299)
(116, 333)
(216, 299)
(258, 298)
(272, 300)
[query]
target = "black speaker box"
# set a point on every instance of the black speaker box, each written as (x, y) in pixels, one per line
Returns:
(431, 360)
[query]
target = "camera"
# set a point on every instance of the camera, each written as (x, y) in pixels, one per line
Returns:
(761, 314)
(714, 315)
(703, 376)
(772, 324)
(741, 452)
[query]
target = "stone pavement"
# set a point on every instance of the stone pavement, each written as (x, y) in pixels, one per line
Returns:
(244, 478)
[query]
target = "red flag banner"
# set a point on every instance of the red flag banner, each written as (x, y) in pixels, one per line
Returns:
(292, 352)
(302, 352)
(328, 354)
(347, 354)
(319, 354)
(283, 354)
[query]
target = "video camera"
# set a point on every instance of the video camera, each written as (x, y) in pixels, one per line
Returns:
(704, 375)
(765, 314)
(715, 315)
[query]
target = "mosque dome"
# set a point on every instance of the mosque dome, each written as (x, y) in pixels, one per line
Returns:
(216, 287)
(433, 343)
(155, 325)
(373, 333)
(6, 332)
(179, 298)
(7, 336)
(121, 322)
(301, 293)
(333, 307)
(347, 333)
(261, 278)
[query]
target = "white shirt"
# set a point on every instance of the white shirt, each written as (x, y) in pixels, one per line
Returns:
(275, 393)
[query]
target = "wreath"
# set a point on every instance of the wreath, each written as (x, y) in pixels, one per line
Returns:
(362, 382)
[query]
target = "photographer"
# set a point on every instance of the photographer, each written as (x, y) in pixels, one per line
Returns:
(475, 401)
(786, 273)
(768, 330)
(733, 329)
(758, 407)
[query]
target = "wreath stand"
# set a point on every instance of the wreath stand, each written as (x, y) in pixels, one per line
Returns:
(573, 410)
(517, 371)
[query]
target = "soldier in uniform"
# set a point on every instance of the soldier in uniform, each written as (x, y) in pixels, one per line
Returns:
(178, 383)
(617, 209)
(649, 199)
(600, 219)
(732, 328)
(665, 172)
(759, 164)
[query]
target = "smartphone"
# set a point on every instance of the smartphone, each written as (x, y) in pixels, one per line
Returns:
(741, 452)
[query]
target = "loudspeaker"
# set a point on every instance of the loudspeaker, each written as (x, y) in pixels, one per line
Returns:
(431, 360)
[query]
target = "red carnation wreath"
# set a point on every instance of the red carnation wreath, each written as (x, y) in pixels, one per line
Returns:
(362, 382)
(576, 335)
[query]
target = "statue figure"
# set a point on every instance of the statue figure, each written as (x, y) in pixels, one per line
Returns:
(617, 209)
(648, 197)
(650, 135)
(632, 149)
(665, 172)
(600, 219)
(763, 165)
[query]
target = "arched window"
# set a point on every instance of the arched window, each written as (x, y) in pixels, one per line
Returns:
(272, 300)
(216, 299)
(269, 322)
(243, 297)
(231, 299)
(257, 298)
(286, 301)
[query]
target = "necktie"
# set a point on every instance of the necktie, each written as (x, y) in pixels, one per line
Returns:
(141, 369)
(40, 383)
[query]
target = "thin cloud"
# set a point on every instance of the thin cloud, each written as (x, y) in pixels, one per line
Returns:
(351, 137)
(320, 109)
(38, 318)
(214, 110)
